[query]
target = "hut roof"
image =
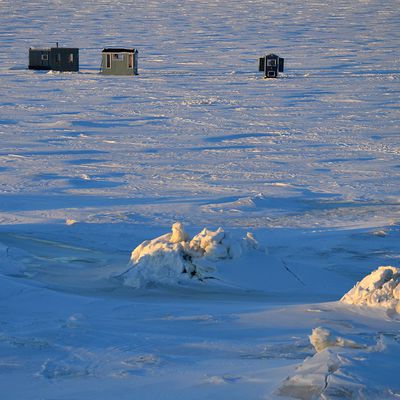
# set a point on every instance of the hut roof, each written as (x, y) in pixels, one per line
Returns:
(118, 50)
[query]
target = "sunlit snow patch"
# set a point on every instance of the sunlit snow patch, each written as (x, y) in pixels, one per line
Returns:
(381, 288)
(175, 258)
(322, 338)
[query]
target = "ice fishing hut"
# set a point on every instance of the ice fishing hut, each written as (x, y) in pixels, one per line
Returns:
(118, 61)
(64, 59)
(271, 65)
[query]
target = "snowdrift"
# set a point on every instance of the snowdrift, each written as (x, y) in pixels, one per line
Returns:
(174, 258)
(347, 373)
(345, 366)
(322, 338)
(381, 288)
(356, 367)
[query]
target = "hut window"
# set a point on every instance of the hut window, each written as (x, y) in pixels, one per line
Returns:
(58, 58)
(130, 62)
(45, 57)
(118, 56)
(108, 61)
(271, 63)
(71, 58)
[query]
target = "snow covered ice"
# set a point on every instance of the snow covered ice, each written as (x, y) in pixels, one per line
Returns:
(381, 288)
(347, 374)
(301, 173)
(174, 257)
(343, 368)
(321, 338)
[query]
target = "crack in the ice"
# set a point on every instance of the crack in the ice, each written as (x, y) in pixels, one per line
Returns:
(291, 272)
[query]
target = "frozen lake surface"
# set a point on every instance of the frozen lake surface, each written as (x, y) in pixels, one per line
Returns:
(91, 166)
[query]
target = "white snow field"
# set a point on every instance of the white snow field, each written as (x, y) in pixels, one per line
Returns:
(301, 174)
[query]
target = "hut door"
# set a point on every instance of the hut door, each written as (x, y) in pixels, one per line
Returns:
(44, 59)
(130, 62)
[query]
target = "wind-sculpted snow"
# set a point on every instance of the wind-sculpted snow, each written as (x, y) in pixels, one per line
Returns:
(174, 257)
(344, 368)
(345, 365)
(381, 288)
(321, 338)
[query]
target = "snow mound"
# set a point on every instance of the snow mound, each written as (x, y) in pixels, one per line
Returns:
(250, 203)
(174, 257)
(366, 372)
(322, 338)
(381, 288)
(257, 201)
